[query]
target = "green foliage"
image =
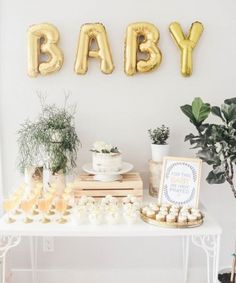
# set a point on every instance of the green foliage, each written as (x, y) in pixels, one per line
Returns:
(159, 135)
(216, 143)
(51, 140)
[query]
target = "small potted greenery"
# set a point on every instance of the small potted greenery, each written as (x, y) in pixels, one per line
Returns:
(216, 144)
(51, 141)
(159, 137)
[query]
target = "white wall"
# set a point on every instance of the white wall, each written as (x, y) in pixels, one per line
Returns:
(117, 108)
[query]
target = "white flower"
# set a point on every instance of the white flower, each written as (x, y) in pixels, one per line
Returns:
(108, 147)
(99, 146)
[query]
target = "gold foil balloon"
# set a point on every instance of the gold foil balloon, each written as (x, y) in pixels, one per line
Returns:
(186, 44)
(88, 33)
(43, 40)
(141, 37)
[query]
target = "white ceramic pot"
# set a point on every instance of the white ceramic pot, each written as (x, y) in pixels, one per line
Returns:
(33, 176)
(159, 151)
(58, 180)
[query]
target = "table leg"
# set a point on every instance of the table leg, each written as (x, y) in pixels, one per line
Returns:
(185, 257)
(6, 243)
(211, 246)
(33, 257)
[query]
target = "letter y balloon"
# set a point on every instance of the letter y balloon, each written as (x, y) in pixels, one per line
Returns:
(186, 44)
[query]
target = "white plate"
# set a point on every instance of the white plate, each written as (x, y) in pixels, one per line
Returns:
(108, 176)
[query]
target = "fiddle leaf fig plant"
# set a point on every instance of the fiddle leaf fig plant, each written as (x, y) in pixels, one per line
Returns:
(216, 143)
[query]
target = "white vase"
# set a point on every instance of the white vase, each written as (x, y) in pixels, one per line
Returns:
(58, 181)
(159, 151)
(33, 176)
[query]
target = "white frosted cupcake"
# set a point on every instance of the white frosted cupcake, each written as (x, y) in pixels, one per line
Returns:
(192, 217)
(174, 210)
(170, 218)
(150, 213)
(166, 205)
(198, 215)
(182, 219)
(95, 216)
(184, 213)
(160, 217)
(144, 209)
(154, 206)
(195, 210)
(164, 208)
(112, 217)
(163, 212)
(130, 216)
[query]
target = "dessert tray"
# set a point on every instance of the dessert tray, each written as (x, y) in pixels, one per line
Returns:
(108, 176)
(188, 221)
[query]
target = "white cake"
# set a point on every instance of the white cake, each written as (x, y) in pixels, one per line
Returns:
(107, 162)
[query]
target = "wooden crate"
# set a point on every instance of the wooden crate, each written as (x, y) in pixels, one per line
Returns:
(131, 184)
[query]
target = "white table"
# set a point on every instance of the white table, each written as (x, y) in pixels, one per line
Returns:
(206, 237)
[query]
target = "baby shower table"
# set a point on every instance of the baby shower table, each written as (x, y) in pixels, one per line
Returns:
(206, 237)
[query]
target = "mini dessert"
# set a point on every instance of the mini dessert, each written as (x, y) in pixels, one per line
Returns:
(130, 202)
(175, 206)
(192, 218)
(198, 215)
(160, 217)
(194, 210)
(184, 213)
(130, 216)
(106, 158)
(95, 217)
(154, 206)
(144, 209)
(112, 217)
(150, 213)
(170, 218)
(174, 210)
(166, 205)
(164, 212)
(164, 208)
(182, 219)
(184, 210)
(109, 200)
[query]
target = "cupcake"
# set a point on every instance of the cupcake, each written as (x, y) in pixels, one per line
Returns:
(130, 216)
(198, 215)
(112, 217)
(182, 219)
(144, 209)
(154, 206)
(195, 210)
(164, 208)
(192, 217)
(170, 218)
(163, 212)
(160, 217)
(150, 213)
(174, 210)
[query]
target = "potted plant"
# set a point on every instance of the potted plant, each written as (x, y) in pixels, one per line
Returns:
(216, 143)
(51, 140)
(159, 146)
(30, 161)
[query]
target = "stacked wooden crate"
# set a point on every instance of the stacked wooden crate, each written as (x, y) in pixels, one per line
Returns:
(130, 184)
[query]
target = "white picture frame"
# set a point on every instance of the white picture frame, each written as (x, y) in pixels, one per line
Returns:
(180, 181)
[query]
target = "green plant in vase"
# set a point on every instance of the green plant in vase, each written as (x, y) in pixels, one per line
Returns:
(216, 144)
(159, 146)
(51, 140)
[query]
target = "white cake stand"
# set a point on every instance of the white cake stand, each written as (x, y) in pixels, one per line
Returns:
(108, 176)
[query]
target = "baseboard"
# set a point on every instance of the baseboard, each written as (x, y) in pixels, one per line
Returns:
(107, 276)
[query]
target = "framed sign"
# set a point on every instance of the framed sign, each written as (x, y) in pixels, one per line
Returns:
(180, 181)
